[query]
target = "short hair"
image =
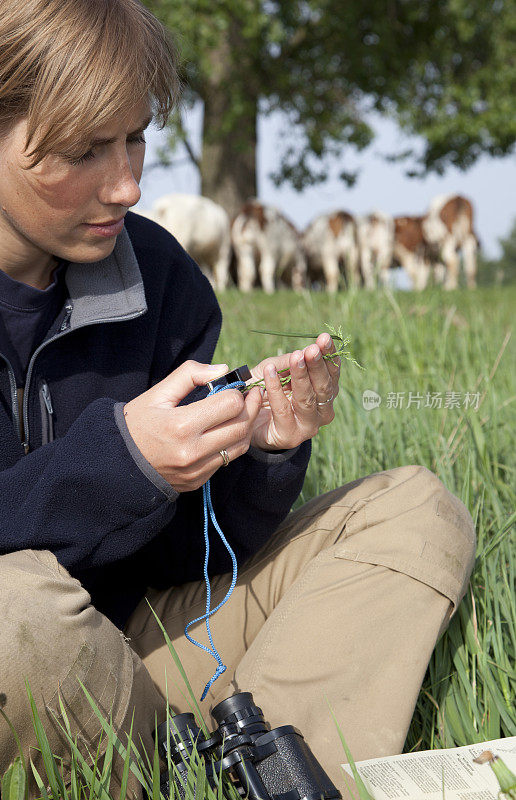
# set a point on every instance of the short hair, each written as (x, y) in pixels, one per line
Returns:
(71, 66)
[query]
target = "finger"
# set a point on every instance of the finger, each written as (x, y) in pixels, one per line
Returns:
(279, 403)
(183, 380)
(281, 362)
(215, 410)
(253, 403)
(327, 347)
(236, 430)
(303, 395)
(324, 384)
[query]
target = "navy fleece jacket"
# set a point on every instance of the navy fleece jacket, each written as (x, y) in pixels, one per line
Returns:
(78, 486)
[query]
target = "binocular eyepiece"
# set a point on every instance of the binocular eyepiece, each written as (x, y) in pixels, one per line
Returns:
(266, 764)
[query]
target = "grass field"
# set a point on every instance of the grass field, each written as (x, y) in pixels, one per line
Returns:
(446, 345)
(453, 346)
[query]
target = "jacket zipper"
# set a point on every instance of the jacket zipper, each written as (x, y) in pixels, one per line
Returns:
(47, 413)
(63, 330)
(14, 399)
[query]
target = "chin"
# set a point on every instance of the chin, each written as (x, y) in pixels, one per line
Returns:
(87, 254)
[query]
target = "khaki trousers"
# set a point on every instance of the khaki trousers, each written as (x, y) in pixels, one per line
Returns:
(343, 607)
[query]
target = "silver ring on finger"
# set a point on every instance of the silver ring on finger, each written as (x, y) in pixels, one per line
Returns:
(225, 457)
(325, 402)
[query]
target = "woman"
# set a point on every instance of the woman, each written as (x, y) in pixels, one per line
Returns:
(106, 327)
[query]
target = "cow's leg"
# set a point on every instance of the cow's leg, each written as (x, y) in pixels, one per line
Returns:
(353, 266)
(469, 254)
(423, 273)
(221, 267)
(409, 262)
(367, 268)
(299, 273)
(267, 269)
(383, 265)
(439, 273)
(330, 265)
(246, 268)
(451, 259)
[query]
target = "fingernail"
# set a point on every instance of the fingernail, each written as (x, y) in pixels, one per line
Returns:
(218, 367)
(301, 363)
(317, 355)
(271, 370)
(327, 346)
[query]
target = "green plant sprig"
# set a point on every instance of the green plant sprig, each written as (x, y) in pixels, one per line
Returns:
(340, 352)
(506, 778)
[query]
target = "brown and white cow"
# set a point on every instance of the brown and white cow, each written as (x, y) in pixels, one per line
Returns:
(412, 250)
(268, 245)
(376, 242)
(331, 246)
(202, 228)
(448, 227)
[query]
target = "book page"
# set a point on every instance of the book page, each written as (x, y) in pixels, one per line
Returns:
(419, 776)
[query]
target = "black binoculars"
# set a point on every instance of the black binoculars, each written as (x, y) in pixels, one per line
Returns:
(264, 764)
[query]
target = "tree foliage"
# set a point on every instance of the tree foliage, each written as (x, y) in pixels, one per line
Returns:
(444, 69)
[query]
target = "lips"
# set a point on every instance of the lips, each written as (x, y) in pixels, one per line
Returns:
(104, 224)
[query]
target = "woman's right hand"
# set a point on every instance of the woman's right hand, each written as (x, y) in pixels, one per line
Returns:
(183, 443)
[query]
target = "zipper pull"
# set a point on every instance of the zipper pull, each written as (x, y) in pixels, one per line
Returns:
(66, 322)
(45, 391)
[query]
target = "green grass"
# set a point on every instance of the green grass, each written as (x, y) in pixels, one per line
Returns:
(427, 342)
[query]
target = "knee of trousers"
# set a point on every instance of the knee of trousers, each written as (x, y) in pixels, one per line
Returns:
(53, 639)
(407, 520)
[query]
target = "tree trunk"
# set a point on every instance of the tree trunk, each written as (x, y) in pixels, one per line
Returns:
(228, 162)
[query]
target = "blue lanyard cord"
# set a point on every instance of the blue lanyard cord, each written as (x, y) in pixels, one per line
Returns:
(208, 509)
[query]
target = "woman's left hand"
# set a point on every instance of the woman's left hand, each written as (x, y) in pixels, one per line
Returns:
(296, 411)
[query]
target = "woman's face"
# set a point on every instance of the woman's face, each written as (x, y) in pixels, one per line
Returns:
(53, 208)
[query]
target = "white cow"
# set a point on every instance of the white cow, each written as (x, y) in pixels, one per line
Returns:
(376, 242)
(331, 246)
(266, 242)
(448, 227)
(203, 229)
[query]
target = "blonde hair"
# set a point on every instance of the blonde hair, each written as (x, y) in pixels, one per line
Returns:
(71, 66)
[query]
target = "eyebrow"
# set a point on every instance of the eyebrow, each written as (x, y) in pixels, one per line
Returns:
(145, 124)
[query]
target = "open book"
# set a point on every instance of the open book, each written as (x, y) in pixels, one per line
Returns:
(419, 776)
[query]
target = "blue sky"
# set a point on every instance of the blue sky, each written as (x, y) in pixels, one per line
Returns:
(490, 183)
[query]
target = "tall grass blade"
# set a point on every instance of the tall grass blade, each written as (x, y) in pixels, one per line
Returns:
(177, 661)
(362, 791)
(14, 781)
(54, 778)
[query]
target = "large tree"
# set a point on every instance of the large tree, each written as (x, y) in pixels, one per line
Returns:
(444, 69)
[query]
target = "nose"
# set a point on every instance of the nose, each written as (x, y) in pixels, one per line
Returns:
(120, 186)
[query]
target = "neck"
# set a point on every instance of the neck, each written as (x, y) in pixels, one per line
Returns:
(24, 261)
(40, 277)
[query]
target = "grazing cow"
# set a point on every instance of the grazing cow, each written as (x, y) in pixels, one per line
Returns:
(265, 241)
(202, 227)
(412, 250)
(331, 246)
(448, 227)
(376, 242)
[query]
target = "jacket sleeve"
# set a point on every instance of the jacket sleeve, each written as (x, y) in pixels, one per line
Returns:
(114, 511)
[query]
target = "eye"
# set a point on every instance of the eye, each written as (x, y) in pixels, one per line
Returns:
(86, 157)
(136, 139)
